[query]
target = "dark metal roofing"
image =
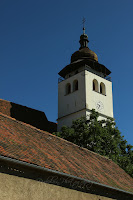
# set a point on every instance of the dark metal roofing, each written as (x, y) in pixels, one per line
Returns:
(82, 62)
(84, 53)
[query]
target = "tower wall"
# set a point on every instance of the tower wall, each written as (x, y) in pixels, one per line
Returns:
(93, 97)
(80, 102)
(67, 120)
(75, 100)
(70, 105)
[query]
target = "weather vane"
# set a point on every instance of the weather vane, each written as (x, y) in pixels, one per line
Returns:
(83, 25)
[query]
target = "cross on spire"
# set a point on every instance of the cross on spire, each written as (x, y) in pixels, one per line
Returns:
(83, 22)
(84, 37)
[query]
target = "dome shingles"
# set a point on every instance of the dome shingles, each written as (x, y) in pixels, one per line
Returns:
(84, 53)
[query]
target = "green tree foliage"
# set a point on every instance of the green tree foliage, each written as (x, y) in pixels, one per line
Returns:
(100, 136)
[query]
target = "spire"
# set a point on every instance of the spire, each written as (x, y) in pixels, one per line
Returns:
(83, 38)
(83, 25)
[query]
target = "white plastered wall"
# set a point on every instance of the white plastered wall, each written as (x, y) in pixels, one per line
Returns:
(71, 105)
(74, 101)
(93, 97)
(79, 103)
(67, 120)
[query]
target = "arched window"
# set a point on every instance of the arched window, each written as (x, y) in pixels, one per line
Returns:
(68, 88)
(102, 88)
(75, 85)
(95, 85)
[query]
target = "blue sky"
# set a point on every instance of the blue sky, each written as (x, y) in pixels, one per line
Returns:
(38, 37)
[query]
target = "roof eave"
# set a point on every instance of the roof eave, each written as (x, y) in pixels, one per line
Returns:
(76, 65)
(36, 167)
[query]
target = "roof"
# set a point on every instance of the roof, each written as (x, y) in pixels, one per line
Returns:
(83, 62)
(84, 53)
(24, 142)
(28, 115)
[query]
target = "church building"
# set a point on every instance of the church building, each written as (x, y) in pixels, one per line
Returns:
(36, 164)
(84, 85)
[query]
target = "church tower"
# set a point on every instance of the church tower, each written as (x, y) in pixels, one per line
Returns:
(84, 85)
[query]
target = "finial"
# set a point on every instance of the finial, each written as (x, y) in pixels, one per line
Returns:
(83, 25)
(84, 37)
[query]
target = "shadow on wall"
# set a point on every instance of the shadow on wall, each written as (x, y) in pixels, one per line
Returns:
(27, 115)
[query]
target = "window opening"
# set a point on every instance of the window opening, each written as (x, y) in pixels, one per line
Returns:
(75, 85)
(101, 91)
(102, 88)
(68, 88)
(95, 85)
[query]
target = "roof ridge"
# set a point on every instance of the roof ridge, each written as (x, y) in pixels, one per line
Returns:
(23, 123)
(5, 100)
(21, 105)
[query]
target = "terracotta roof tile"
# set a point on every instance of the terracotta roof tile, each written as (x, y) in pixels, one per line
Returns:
(27, 143)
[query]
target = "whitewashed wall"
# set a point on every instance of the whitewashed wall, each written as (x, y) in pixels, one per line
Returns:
(78, 103)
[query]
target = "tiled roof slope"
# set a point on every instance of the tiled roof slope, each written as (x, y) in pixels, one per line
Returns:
(27, 143)
(30, 116)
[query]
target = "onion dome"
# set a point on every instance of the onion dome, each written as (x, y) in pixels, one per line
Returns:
(84, 57)
(84, 52)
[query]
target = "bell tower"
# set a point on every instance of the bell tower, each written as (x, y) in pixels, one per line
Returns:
(84, 85)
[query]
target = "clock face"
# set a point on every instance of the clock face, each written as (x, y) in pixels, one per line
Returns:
(99, 105)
